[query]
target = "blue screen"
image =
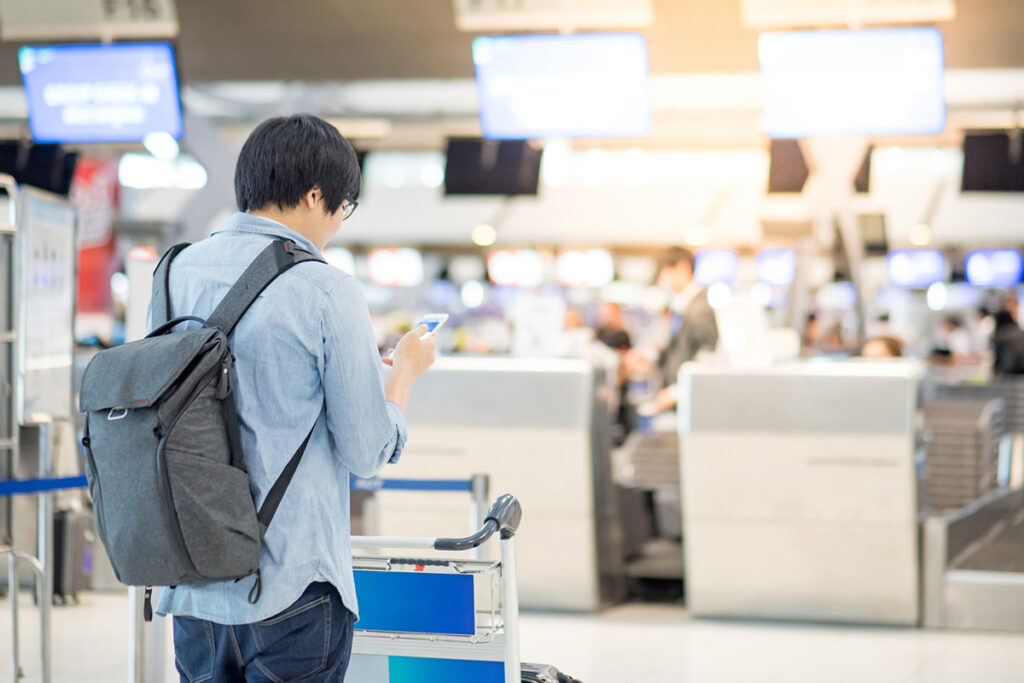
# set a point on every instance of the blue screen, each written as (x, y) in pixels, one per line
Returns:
(422, 670)
(776, 267)
(587, 85)
(100, 93)
(715, 265)
(415, 602)
(867, 82)
(994, 267)
(916, 268)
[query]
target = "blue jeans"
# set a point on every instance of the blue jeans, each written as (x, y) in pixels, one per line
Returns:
(309, 641)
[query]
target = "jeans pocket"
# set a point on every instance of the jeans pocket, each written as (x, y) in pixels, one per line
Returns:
(296, 643)
(194, 650)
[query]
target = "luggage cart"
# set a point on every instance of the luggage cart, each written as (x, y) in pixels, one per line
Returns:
(433, 620)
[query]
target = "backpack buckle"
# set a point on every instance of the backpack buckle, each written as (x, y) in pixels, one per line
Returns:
(117, 413)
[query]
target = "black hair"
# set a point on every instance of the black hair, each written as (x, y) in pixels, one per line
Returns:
(287, 156)
(953, 321)
(673, 256)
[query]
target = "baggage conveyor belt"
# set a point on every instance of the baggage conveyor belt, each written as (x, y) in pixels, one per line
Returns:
(973, 565)
(1002, 550)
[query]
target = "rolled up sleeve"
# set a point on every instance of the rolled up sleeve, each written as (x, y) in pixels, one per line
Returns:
(366, 430)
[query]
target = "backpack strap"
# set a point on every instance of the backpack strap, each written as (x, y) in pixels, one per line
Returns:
(276, 258)
(160, 300)
(276, 494)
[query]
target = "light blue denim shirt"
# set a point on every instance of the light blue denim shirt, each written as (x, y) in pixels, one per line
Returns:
(305, 352)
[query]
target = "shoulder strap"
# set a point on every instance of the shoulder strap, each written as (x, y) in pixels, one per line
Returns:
(279, 256)
(276, 494)
(160, 300)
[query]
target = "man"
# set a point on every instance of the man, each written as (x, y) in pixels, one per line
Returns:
(306, 356)
(692, 326)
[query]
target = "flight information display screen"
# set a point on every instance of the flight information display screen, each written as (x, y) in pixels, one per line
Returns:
(712, 266)
(994, 267)
(101, 93)
(866, 82)
(916, 268)
(563, 86)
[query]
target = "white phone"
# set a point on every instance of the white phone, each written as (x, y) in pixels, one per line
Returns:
(433, 321)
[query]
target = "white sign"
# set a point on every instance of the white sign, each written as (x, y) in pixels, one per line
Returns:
(46, 254)
(520, 15)
(763, 14)
(87, 19)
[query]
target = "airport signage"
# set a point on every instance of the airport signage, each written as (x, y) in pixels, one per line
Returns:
(105, 20)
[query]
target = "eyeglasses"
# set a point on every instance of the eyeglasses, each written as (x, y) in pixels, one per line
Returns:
(348, 207)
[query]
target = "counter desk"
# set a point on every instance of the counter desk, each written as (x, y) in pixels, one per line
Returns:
(799, 492)
(538, 429)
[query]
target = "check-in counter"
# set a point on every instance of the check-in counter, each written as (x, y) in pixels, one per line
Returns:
(799, 494)
(535, 427)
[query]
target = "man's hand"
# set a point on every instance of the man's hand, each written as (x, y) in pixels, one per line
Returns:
(411, 359)
(667, 398)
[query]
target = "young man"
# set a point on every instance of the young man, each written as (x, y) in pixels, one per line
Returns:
(692, 326)
(306, 357)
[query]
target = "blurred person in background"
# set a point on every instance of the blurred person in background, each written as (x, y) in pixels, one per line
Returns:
(810, 343)
(692, 324)
(952, 336)
(1007, 345)
(1011, 305)
(611, 330)
(882, 347)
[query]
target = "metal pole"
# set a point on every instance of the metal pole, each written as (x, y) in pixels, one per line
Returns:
(136, 642)
(45, 581)
(510, 610)
(479, 489)
(12, 585)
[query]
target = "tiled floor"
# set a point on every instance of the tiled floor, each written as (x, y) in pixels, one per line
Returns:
(648, 643)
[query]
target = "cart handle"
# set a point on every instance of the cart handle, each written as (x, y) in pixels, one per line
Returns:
(504, 515)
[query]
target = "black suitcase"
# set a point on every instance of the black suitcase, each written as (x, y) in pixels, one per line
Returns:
(72, 554)
(544, 673)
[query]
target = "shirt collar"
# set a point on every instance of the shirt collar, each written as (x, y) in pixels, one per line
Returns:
(683, 298)
(246, 222)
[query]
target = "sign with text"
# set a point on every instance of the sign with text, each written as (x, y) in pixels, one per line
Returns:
(87, 19)
(101, 93)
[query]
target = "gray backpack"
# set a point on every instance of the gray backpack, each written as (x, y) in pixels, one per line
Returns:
(163, 452)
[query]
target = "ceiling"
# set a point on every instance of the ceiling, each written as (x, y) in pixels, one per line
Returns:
(343, 40)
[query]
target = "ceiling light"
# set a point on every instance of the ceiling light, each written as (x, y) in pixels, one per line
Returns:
(921, 235)
(484, 235)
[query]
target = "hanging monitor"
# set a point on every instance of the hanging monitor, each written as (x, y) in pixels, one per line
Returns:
(994, 267)
(566, 86)
(866, 82)
(993, 162)
(503, 167)
(101, 93)
(48, 167)
(916, 268)
(712, 266)
(787, 168)
(776, 267)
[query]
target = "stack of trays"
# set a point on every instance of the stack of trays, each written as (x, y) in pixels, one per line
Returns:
(962, 438)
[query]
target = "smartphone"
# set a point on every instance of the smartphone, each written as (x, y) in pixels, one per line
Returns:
(433, 321)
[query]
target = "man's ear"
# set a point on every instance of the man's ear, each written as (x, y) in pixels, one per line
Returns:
(311, 198)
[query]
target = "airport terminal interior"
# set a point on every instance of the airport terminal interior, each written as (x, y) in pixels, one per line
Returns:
(730, 359)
